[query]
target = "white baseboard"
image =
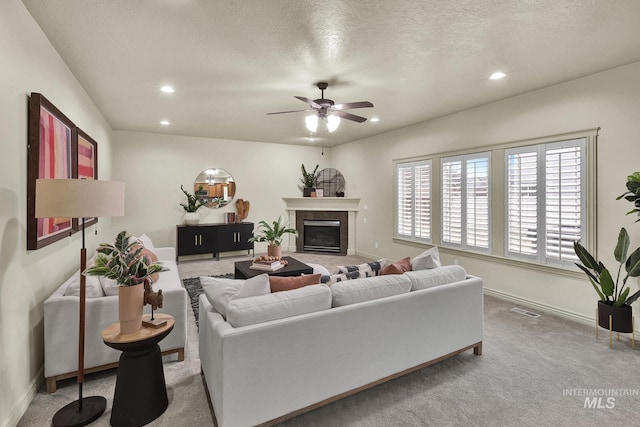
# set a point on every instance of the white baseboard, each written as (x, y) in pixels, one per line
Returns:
(560, 312)
(23, 403)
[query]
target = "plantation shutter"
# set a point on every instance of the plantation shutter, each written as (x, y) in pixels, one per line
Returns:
(477, 202)
(563, 199)
(522, 201)
(413, 215)
(452, 201)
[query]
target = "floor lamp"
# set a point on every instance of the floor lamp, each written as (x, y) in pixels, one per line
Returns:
(79, 198)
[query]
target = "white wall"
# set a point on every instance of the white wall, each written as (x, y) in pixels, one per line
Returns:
(28, 63)
(153, 166)
(609, 99)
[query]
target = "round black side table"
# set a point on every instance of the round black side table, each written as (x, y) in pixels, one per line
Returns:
(141, 393)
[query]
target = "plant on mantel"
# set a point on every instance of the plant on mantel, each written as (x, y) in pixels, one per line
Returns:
(308, 180)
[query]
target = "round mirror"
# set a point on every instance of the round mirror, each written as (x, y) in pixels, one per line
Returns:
(215, 187)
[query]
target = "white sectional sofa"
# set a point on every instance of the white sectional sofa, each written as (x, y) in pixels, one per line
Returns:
(61, 323)
(354, 335)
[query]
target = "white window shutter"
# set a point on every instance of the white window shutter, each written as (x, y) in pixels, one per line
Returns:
(522, 202)
(452, 202)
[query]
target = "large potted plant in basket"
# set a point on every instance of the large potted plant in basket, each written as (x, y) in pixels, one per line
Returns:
(273, 234)
(194, 203)
(126, 262)
(308, 181)
(614, 307)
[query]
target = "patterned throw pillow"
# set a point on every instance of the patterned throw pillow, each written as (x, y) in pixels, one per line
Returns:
(369, 269)
(335, 278)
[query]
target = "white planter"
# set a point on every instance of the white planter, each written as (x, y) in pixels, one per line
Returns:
(191, 218)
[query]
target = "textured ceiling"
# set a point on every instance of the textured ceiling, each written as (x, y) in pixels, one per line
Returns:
(231, 62)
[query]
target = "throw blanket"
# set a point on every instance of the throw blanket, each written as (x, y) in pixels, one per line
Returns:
(194, 289)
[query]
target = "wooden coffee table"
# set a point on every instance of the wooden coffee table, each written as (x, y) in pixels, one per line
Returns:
(293, 268)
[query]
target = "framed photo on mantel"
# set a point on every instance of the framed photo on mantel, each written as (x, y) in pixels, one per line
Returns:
(51, 154)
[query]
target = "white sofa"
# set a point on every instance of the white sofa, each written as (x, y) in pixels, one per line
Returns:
(269, 371)
(61, 324)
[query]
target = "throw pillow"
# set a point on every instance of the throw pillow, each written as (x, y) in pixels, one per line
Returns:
(398, 267)
(340, 277)
(426, 260)
(317, 268)
(92, 286)
(109, 286)
(255, 286)
(220, 291)
(279, 284)
(146, 242)
(369, 269)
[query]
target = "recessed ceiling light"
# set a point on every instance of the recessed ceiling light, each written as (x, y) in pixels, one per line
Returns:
(167, 89)
(165, 122)
(374, 119)
(497, 75)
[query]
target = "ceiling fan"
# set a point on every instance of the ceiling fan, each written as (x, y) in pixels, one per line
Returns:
(328, 110)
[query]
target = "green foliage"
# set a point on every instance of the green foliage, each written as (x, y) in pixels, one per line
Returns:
(309, 179)
(193, 202)
(272, 234)
(601, 279)
(123, 262)
(633, 193)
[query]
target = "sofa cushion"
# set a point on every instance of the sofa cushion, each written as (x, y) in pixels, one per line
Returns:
(254, 286)
(278, 305)
(423, 279)
(92, 286)
(220, 291)
(279, 284)
(369, 269)
(426, 260)
(359, 290)
(397, 267)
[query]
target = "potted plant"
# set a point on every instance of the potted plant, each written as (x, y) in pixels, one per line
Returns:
(308, 181)
(633, 193)
(126, 262)
(614, 298)
(194, 203)
(273, 234)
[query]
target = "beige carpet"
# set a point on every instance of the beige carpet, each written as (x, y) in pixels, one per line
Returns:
(534, 372)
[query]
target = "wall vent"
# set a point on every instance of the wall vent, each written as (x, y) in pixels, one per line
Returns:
(525, 312)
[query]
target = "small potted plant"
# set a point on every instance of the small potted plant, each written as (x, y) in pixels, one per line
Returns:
(633, 193)
(126, 262)
(614, 298)
(308, 181)
(273, 234)
(194, 203)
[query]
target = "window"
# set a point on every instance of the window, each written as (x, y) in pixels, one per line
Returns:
(466, 201)
(545, 200)
(413, 214)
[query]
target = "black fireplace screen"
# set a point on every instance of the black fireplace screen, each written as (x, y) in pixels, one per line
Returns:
(321, 235)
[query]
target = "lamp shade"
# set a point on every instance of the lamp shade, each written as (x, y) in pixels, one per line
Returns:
(78, 198)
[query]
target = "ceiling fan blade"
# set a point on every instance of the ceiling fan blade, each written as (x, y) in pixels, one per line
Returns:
(309, 101)
(292, 111)
(349, 105)
(349, 116)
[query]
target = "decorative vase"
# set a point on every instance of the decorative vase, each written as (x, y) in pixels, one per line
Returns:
(130, 304)
(621, 317)
(191, 218)
(275, 251)
(306, 192)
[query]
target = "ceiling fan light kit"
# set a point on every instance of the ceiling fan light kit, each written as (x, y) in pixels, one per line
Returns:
(328, 111)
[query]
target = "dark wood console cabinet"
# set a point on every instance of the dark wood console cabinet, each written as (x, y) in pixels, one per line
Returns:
(213, 239)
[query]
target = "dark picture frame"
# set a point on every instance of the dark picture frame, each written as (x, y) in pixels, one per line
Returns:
(85, 167)
(51, 154)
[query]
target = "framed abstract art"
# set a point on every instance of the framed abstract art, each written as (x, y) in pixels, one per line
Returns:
(51, 154)
(86, 167)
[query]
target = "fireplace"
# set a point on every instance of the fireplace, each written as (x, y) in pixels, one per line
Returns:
(321, 235)
(322, 231)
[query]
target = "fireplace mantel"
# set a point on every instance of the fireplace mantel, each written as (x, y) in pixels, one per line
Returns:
(321, 203)
(345, 204)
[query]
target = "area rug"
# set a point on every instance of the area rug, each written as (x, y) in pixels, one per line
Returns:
(194, 289)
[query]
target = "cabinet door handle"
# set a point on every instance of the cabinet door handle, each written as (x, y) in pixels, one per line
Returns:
(200, 239)
(195, 240)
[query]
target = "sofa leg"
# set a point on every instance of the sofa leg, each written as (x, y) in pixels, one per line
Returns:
(51, 385)
(181, 355)
(477, 350)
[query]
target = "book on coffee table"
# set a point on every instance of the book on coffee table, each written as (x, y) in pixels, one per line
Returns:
(266, 266)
